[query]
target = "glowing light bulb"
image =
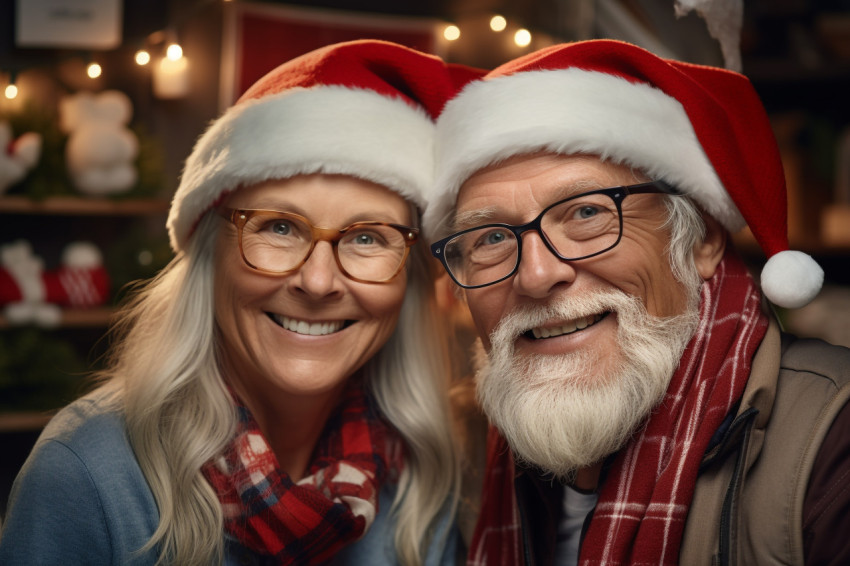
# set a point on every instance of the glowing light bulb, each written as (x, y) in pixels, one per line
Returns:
(94, 70)
(11, 92)
(498, 23)
(522, 37)
(451, 32)
(142, 57)
(174, 52)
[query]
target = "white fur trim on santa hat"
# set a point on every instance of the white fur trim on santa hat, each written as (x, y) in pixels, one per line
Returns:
(572, 111)
(325, 129)
(791, 279)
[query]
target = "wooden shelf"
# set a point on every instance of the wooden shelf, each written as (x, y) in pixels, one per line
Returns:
(78, 327)
(21, 421)
(77, 318)
(82, 206)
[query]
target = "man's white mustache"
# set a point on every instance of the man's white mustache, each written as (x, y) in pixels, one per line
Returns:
(527, 317)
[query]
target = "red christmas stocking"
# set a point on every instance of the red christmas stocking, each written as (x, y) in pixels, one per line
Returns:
(81, 281)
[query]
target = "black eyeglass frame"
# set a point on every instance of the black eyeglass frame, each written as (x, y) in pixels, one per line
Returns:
(239, 217)
(617, 194)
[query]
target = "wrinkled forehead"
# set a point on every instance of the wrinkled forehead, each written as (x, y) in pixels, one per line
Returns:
(536, 180)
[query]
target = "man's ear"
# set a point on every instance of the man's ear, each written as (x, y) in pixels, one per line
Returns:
(709, 252)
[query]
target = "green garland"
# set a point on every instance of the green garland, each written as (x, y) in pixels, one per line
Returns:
(38, 371)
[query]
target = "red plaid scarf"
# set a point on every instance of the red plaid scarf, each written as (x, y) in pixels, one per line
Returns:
(644, 500)
(306, 522)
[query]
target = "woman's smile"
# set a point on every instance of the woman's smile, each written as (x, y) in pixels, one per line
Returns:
(320, 328)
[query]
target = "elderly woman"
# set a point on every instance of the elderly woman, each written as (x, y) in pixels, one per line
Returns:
(277, 393)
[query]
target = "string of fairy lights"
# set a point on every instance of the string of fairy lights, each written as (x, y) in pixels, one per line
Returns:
(160, 50)
(498, 24)
(173, 63)
(164, 53)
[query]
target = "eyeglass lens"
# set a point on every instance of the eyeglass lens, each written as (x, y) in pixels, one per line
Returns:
(279, 243)
(576, 228)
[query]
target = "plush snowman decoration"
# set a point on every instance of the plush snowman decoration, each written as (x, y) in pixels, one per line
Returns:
(101, 150)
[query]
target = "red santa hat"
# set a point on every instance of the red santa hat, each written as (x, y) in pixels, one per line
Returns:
(701, 129)
(362, 108)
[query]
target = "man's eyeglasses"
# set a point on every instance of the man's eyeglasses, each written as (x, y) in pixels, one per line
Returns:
(574, 228)
(279, 243)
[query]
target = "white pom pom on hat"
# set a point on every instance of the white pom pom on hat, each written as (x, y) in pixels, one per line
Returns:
(702, 129)
(791, 279)
(363, 108)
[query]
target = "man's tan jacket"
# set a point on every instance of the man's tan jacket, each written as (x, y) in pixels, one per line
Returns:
(748, 508)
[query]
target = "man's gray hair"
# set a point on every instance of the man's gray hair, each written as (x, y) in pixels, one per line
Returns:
(687, 229)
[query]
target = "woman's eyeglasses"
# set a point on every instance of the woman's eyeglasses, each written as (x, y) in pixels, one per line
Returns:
(279, 243)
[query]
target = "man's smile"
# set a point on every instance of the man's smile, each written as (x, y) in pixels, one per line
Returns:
(568, 327)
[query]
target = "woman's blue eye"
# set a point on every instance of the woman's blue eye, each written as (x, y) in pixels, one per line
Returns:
(282, 228)
(364, 239)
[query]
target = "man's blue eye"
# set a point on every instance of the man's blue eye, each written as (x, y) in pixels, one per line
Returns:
(587, 212)
(495, 238)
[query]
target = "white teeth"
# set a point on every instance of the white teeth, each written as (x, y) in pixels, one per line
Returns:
(566, 328)
(311, 329)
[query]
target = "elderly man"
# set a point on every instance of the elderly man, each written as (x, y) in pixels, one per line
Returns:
(645, 407)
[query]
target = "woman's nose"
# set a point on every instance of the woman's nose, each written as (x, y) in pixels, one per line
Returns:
(320, 275)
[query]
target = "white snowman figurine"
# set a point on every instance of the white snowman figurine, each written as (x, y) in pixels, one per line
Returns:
(101, 150)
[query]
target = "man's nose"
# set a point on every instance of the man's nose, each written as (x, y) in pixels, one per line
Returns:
(540, 271)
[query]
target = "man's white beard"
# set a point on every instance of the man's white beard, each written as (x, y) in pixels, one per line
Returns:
(558, 412)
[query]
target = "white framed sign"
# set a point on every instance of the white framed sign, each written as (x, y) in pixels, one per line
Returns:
(79, 24)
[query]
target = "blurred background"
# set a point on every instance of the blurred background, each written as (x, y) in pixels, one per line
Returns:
(102, 100)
